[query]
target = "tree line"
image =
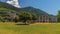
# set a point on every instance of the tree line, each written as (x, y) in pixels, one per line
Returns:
(24, 17)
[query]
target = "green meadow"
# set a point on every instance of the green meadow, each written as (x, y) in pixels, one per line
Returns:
(41, 28)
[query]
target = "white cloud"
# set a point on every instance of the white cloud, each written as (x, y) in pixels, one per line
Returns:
(14, 3)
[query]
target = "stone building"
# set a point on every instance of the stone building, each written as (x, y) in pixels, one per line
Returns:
(45, 18)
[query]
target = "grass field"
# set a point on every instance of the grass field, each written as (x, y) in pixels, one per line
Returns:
(42, 28)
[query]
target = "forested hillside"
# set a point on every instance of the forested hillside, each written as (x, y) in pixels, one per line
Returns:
(11, 13)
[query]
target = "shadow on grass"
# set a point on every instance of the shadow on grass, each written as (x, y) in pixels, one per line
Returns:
(22, 24)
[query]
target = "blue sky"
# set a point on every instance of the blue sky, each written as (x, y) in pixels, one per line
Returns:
(49, 6)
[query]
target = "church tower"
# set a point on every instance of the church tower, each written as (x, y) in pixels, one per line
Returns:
(14, 3)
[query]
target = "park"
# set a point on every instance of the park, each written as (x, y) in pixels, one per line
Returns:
(16, 19)
(41, 28)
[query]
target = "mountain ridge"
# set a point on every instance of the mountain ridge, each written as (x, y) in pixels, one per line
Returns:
(30, 9)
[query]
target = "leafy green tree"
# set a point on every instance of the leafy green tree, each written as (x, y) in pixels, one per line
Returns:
(16, 19)
(34, 17)
(6, 18)
(25, 16)
(58, 16)
(1, 18)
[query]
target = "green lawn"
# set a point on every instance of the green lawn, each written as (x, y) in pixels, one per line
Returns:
(11, 28)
